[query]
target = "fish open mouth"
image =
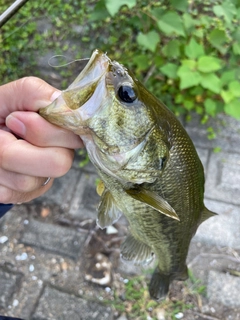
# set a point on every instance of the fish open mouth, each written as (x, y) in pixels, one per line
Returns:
(81, 100)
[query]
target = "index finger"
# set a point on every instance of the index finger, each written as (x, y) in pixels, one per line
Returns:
(26, 94)
(33, 128)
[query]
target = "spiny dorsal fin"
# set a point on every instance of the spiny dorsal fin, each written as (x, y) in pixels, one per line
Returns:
(136, 251)
(206, 214)
(153, 200)
(108, 212)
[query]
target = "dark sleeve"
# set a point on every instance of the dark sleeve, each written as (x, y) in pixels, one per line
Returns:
(4, 208)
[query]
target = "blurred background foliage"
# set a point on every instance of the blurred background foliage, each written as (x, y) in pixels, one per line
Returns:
(186, 52)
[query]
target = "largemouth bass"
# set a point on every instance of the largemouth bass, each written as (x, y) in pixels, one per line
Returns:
(146, 160)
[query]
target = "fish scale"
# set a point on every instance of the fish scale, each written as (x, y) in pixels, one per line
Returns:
(148, 164)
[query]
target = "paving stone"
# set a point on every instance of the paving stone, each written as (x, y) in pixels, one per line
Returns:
(63, 189)
(223, 229)
(54, 238)
(56, 305)
(226, 128)
(223, 288)
(8, 284)
(223, 177)
(85, 199)
(23, 303)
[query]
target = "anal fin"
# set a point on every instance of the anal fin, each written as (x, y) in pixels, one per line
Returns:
(136, 251)
(108, 212)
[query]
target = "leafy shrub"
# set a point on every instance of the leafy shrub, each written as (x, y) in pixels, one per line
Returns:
(186, 52)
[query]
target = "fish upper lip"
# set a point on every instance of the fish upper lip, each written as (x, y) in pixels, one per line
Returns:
(95, 69)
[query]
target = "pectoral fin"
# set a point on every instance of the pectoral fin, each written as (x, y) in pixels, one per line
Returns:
(108, 212)
(136, 251)
(153, 200)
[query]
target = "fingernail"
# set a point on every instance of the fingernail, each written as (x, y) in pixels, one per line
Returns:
(44, 103)
(15, 125)
(55, 95)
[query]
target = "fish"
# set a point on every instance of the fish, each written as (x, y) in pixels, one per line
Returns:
(148, 165)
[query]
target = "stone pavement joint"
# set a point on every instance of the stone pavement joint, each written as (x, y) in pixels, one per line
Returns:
(60, 240)
(8, 284)
(56, 305)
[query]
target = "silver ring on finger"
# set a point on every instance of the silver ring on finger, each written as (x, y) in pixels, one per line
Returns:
(46, 182)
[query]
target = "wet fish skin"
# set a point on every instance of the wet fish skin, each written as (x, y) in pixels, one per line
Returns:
(150, 168)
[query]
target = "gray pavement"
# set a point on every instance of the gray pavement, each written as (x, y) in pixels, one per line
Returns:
(50, 267)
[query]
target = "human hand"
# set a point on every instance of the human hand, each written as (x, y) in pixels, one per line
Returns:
(44, 150)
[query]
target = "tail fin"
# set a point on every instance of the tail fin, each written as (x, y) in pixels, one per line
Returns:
(181, 275)
(159, 285)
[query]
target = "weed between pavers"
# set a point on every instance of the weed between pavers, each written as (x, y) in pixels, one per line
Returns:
(132, 298)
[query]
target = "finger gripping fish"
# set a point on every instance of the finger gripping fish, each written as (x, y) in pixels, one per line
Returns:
(146, 160)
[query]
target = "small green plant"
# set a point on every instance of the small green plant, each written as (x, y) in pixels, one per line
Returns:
(84, 158)
(133, 298)
(196, 286)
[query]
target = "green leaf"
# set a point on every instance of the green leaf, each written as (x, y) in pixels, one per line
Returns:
(209, 64)
(227, 96)
(210, 81)
(178, 98)
(233, 108)
(181, 5)
(188, 77)
(192, 64)
(210, 106)
(194, 50)
(204, 21)
(100, 12)
(171, 24)
(170, 70)
(188, 104)
(228, 76)
(172, 49)
(188, 21)
(217, 149)
(234, 87)
(226, 9)
(236, 33)
(218, 39)
(113, 6)
(199, 33)
(236, 48)
(149, 40)
(142, 61)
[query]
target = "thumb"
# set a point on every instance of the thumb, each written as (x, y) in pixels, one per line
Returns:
(26, 94)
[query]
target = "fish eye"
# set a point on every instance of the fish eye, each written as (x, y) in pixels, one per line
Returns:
(127, 94)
